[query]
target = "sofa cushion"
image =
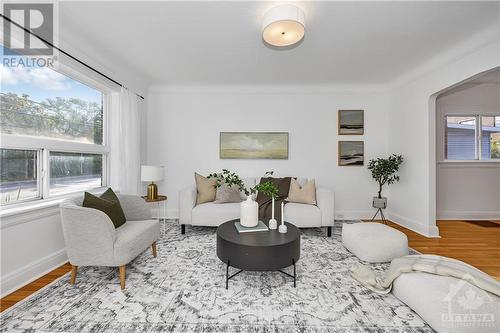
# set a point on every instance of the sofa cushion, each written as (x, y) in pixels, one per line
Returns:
(205, 189)
(133, 238)
(302, 215)
(305, 194)
(226, 194)
(302, 181)
(110, 195)
(432, 296)
(108, 203)
(212, 214)
(374, 242)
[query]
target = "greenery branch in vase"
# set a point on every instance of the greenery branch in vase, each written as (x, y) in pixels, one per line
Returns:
(269, 189)
(249, 209)
(229, 178)
(384, 172)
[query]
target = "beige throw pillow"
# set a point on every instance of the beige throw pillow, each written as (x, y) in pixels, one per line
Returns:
(225, 194)
(205, 188)
(302, 194)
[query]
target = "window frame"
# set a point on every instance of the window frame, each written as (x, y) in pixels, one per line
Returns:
(478, 137)
(39, 178)
(44, 145)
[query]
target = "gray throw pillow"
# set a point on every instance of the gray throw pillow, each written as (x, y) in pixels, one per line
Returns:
(225, 194)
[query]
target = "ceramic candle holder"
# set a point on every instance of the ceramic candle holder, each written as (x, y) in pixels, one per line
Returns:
(273, 224)
(282, 228)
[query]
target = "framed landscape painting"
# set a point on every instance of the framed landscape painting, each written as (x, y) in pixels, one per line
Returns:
(253, 145)
(351, 122)
(351, 153)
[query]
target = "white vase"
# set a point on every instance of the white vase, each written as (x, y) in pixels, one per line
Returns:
(249, 213)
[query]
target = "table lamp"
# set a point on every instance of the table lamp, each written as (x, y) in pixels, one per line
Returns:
(152, 173)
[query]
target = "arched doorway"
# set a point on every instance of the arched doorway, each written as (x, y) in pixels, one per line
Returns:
(467, 149)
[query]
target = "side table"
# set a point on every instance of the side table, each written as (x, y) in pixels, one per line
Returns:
(161, 199)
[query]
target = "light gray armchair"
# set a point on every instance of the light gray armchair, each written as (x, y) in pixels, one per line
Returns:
(92, 240)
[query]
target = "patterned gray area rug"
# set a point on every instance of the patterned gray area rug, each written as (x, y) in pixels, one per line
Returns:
(183, 290)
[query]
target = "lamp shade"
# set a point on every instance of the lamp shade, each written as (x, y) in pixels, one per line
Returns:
(151, 173)
(283, 25)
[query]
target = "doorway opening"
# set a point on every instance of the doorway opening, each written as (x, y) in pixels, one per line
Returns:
(468, 150)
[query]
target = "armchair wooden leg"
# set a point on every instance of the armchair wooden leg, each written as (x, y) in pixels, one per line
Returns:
(122, 276)
(153, 247)
(74, 270)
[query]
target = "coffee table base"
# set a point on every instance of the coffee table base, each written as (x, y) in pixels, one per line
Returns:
(228, 277)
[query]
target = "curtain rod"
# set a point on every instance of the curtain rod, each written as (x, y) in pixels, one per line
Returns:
(66, 53)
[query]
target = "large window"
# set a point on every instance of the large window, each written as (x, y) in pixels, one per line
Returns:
(52, 135)
(472, 137)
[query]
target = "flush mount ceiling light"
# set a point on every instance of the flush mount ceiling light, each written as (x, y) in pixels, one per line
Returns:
(283, 25)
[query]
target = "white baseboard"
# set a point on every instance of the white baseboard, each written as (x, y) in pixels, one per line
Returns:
(423, 229)
(355, 214)
(27, 274)
(172, 213)
(467, 215)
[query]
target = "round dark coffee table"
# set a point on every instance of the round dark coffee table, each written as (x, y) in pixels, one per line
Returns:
(259, 250)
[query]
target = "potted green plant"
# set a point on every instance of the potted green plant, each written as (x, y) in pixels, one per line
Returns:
(384, 171)
(249, 211)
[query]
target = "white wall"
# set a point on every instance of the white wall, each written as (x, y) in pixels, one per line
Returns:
(32, 244)
(469, 190)
(184, 127)
(412, 126)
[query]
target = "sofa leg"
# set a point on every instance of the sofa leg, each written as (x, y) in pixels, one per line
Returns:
(122, 276)
(183, 229)
(329, 231)
(153, 248)
(74, 270)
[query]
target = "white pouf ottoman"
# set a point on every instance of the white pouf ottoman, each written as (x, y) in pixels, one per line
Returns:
(374, 242)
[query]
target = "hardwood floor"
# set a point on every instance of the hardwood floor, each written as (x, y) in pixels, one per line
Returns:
(472, 243)
(20, 294)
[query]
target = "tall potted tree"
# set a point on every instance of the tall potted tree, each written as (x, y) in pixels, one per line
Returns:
(384, 171)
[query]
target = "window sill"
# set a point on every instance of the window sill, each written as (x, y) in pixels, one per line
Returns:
(468, 164)
(468, 161)
(37, 205)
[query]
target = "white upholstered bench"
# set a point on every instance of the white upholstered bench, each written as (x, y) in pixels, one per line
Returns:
(374, 242)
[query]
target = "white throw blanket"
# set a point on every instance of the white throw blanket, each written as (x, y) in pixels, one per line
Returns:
(426, 263)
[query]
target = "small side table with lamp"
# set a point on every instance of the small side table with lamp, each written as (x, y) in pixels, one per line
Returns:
(152, 173)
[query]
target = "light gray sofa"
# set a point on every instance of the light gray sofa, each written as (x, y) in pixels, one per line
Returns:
(92, 240)
(213, 214)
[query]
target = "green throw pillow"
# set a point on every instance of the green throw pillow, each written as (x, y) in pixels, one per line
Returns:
(107, 203)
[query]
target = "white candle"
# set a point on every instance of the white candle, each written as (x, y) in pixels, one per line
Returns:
(273, 210)
(282, 212)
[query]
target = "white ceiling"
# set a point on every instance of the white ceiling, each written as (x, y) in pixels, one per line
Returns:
(219, 43)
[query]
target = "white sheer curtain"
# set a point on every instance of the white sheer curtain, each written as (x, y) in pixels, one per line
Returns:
(125, 140)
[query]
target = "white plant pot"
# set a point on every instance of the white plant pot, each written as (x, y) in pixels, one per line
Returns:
(379, 202)
(249, 213)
